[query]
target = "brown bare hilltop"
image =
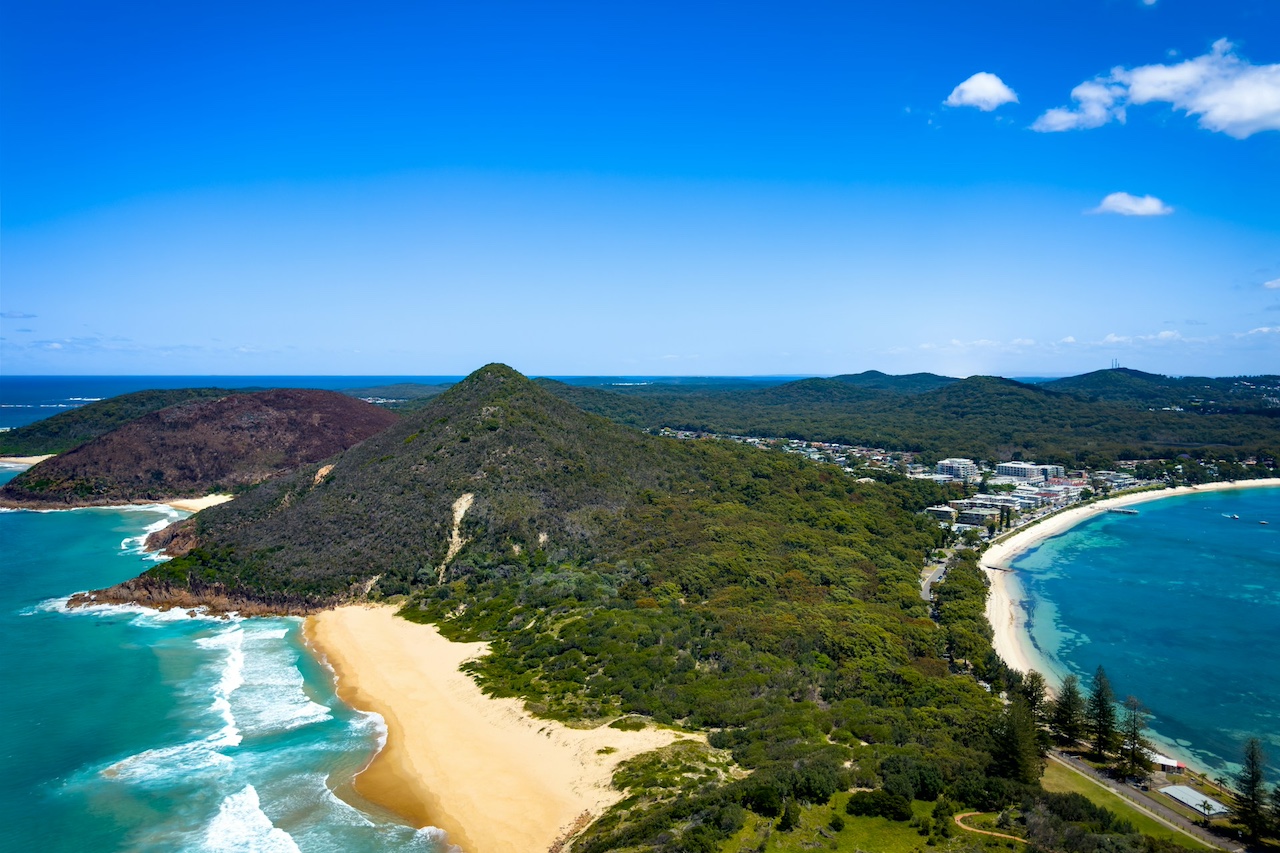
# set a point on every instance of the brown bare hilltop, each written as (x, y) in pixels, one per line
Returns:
(200, 447)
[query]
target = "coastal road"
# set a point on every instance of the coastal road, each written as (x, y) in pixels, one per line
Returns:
(1148, 805)
(929, 580)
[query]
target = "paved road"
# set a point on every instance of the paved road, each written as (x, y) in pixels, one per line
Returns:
(1148, 805)
(929, 580)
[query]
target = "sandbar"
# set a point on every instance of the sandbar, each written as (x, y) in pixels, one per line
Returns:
(491, 775)
(1005, 610)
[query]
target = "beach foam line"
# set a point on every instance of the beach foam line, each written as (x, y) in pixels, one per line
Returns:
(489, 774)
(241, 825)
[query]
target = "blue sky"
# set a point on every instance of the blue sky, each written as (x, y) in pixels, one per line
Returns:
(420, 188)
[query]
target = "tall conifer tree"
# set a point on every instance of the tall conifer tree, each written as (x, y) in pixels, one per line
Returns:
(1067, 716)
(1134, 746)
(1101, 713)
(1250, 807)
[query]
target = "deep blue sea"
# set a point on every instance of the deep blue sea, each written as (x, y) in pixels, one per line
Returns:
(127, 729)
(1181, 605)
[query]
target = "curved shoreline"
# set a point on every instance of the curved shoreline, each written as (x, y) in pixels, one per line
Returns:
(1006, 598)
(1007, 601)
(495, 778)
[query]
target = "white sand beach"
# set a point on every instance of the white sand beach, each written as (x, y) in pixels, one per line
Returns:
(495, 778)
(1004, 601)
(197, 504)
(24, 460)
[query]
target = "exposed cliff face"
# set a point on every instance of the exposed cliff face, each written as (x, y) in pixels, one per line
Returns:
(200, 446)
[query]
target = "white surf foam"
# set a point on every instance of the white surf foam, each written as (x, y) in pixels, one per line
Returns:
(272, 698)
(243, 827)
(144, 617)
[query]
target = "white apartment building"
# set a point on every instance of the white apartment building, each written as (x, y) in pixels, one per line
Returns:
(960, 469)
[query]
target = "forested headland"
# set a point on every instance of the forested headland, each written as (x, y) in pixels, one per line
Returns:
(769, 601)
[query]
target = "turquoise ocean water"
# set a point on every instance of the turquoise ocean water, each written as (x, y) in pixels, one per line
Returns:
(126, 729)
(1181, 605)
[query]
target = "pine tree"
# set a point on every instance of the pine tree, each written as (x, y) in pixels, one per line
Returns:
(1101, 714)
(1134, 746)
(1016, 744)
(1033, 690)
(1250, 807)
(1067, 715)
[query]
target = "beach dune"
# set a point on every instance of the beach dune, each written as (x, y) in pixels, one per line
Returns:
(495, 778)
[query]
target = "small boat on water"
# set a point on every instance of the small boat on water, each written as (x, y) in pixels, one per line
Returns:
(1229, 515)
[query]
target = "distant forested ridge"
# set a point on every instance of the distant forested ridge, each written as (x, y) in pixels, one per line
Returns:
(72, 428)
(981, 417)
(753, 594)
(202, 445)
(1133, 388)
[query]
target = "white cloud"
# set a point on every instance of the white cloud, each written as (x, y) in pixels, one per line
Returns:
(1274, 284)
(1133, 205)
(1069, 339)
(1097, 102)
(983, 90)
(1022, 342)
(1227, 93)
(1262, 330)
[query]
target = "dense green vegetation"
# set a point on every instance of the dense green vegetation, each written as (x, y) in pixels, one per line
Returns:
(980, 417)
(752, 594)
(1199, 393)
(74, 427)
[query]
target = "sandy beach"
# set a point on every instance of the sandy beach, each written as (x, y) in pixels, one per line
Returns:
(495, 778)
(24, 460)
(197, 504)
(1004, 601)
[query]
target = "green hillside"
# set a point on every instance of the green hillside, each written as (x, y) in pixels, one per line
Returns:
(981, 417)
(199, 446)
(74, 427)
(910, 383)
(749, 593)
(1199, 393)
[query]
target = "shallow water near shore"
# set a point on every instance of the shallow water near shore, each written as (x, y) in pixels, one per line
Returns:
(128, 729)
(1181, 605)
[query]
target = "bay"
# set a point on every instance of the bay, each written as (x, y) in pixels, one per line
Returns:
(1181, 606)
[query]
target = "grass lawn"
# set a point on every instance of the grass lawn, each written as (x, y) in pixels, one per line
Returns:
(868, 834)
(1061, 779)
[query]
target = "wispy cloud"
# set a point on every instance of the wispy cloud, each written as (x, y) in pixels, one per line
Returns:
(16, 315)
(983, 90)
(1227, 93)
(1274, 284)
(1131, 205)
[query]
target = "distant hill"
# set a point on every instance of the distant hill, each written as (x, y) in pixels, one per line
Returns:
(982, 417)
(399, 397)
(200, 446)
(1150, 390)
(910, 383)
(72, 428)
